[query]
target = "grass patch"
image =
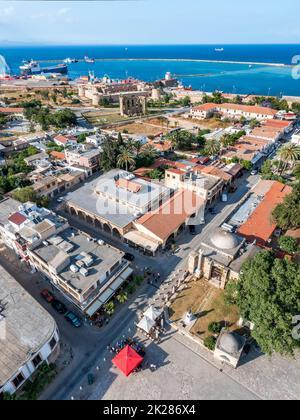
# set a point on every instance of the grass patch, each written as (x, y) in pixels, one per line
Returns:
(214, 310)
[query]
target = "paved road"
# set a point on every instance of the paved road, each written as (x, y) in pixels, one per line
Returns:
(89, 343)
(164, 264)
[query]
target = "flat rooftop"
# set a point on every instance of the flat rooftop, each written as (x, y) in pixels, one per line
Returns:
(66, 249)
(111, 207)
(24, 328)
(8, 206)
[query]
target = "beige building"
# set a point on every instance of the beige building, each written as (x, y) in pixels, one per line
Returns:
(87, 271)
(233, 111)
(132, 105)
(89, 159)
(220, 257)
(229, 348)
(206, 186)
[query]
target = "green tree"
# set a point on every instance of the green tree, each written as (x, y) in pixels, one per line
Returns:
(246, 164)
(109, 308)
(287, 214)
(109, 154)
(24, 194)
(126, 159)
(122, 297)
(210, 343)
(212, 148)
(289, 155)
(288, 244)
(186, 101)
(215, 327)
(268, 295)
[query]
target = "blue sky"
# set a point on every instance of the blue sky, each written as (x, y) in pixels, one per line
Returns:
(150, 21)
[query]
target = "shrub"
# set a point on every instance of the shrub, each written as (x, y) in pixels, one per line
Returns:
(138, 280)
(215, 327)
(210, 343)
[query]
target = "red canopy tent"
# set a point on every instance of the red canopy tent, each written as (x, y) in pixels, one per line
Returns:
(127, 360)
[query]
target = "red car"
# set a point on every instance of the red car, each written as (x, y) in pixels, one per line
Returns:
(47, 295)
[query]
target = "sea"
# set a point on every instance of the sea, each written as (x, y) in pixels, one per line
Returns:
(225, 68)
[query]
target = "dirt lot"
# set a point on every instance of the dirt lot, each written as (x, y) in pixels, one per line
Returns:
(143, 128)
(209, 124)
(104, 116)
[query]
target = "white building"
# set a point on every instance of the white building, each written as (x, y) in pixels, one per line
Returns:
(28, 335)
(296, 138)
(233, 111)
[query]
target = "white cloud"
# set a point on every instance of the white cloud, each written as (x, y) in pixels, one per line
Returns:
(63, 15)
(7, 11)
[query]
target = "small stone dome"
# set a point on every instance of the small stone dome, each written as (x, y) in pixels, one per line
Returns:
(224, 240)
(230, 343)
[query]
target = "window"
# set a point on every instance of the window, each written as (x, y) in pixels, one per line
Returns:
(52, 343)
(37, 360)
(19, 379)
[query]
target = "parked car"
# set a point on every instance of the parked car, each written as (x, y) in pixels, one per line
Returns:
(254, 172)
(59, 306)
(192, 230)
(47, 295)
(60, 200)
(73, 319)
(129, 257)
(233, 188)
(212, 211)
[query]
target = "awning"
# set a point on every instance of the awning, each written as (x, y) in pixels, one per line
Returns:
(153, 313)
(127, 360)
(109, 292)
(142, 240)
(146, 324)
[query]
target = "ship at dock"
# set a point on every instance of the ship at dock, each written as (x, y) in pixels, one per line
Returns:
(30, 68)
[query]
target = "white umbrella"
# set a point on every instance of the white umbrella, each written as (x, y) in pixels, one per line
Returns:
(153, 313)
(146, 324)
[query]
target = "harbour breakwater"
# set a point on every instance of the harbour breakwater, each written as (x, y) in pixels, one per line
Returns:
(183, 60)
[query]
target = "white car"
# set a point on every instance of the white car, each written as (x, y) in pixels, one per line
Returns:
(60, 200)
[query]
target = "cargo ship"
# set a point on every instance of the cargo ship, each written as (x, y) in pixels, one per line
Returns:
(30, 68)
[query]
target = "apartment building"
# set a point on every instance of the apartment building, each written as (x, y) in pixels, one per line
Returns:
(24, 226)
(87, 271)
(84, 158)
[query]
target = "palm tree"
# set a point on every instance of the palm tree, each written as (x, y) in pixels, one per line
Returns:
(289, 155)
(212, 148)
(109, 308)
(122, 297)
(149, 151)
(125, 158)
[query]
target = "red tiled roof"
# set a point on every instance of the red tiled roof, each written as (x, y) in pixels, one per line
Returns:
(11, 110)
(128, 185)
(171, 215)
(212, 170)
(260, 226)
(58, 155)
(277, 124)
(176, 171)
(17, 218)
(205, 107)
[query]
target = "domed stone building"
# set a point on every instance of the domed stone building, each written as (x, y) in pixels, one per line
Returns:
(220, 257)
(229, 348)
